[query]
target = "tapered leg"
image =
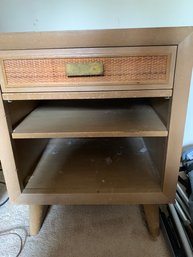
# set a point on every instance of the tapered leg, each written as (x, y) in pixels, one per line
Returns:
(37, 214)
(152, 218)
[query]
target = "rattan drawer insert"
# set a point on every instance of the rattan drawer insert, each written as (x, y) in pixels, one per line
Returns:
(122, 66)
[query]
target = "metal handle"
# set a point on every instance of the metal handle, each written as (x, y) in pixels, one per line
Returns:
(84, 69)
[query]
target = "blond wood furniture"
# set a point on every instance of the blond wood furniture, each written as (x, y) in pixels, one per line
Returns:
(114, 138)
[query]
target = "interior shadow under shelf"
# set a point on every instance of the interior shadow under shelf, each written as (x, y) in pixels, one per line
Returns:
(60, 121)
(94, 166)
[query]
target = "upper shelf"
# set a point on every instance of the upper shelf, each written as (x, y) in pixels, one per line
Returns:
(106, 120)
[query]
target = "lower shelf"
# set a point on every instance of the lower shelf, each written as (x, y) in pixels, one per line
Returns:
(78, 167)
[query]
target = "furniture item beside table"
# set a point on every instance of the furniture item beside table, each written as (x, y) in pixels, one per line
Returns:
(94, 117)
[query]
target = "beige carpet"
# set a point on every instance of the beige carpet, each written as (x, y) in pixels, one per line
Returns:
(81, 231)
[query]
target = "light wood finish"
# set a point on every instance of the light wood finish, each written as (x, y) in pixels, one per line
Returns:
(30, 197)
(36, 216)
(47, 71)
(88, 52)
(91, 88)
(157, 148)
(94, 38)
(26, 153)
(94, 166)
(7, 156)
(87, 95)
(154, 182)
(152, 218)
(182, 82)
(111, 119)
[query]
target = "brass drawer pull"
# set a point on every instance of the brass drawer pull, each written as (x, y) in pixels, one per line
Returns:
(84, 69)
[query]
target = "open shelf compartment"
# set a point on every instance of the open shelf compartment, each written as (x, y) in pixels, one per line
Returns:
(90, 166)
(126, 118)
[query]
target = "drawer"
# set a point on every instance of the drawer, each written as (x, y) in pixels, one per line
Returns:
(121, 68)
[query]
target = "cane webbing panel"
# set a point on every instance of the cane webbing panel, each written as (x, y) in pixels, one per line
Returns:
(131, 69)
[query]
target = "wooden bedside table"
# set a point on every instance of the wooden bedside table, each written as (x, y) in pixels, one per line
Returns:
(94, 117)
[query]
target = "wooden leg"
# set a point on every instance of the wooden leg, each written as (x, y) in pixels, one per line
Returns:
(152, 218)
(37, 214)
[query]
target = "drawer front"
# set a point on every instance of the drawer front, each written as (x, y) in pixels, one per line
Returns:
(123, 68)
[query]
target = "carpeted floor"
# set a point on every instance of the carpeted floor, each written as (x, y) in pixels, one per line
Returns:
(80, 231)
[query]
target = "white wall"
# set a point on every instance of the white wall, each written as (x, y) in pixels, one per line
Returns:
(41, 15)
(25, 15)
(188, 133)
